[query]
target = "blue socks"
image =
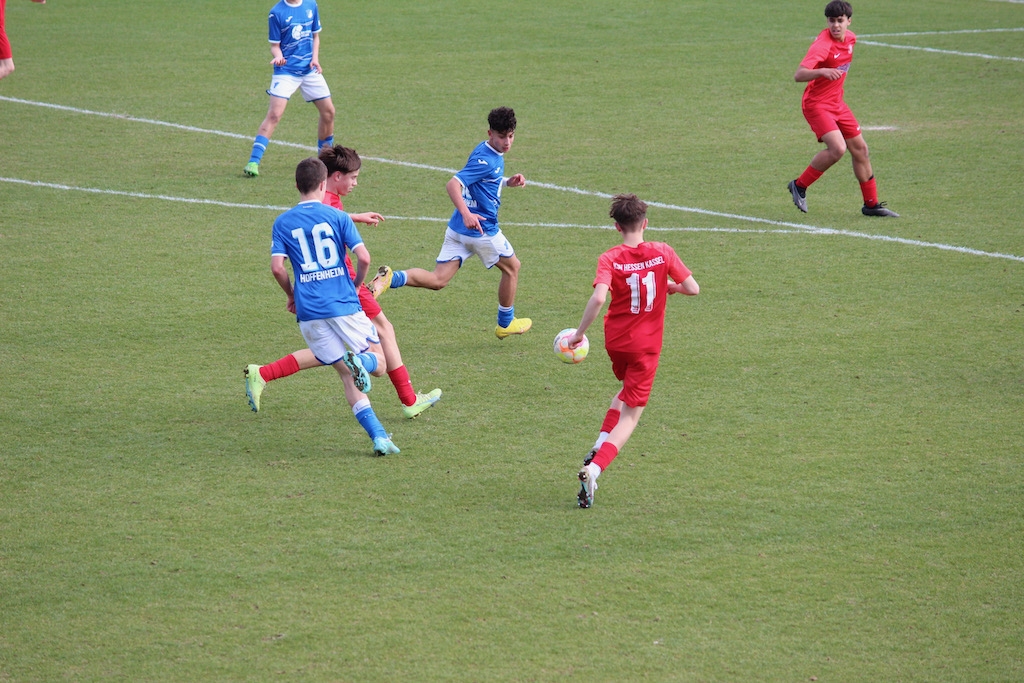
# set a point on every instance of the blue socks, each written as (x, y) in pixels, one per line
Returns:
(398, 279)
(369, 361)
(327, 142)
(259, 146)
(368, 419)
(505, 315)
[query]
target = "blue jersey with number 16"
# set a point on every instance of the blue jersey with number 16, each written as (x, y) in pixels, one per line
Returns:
(314, 236)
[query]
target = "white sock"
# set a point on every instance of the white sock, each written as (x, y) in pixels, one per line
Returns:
(594, 470)
(601, 438)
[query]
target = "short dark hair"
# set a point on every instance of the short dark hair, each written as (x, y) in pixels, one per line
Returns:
(839, 8)
(340, 158)
(502, 120)
(309, 174)
(628, 210)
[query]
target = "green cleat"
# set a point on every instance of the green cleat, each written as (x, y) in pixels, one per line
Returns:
(381, 281)
(517, 326)
(254, 384)
(252, 169)
(383, 445)
(359, 374)
(423, 401)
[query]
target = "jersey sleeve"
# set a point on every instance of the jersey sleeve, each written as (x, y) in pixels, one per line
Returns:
(816, 54)
(277, 247)
(604, 271)
(477, 168)
(273, 29)
(677, 270)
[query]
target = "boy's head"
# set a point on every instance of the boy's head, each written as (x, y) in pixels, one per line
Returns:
(628, 211)
(501, 129)
(343, 166)
(838, 8)
(309, 174)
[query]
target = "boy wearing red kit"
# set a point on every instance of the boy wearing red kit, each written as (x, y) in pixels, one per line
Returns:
(824, 70)
(6, 56)
(637, 274)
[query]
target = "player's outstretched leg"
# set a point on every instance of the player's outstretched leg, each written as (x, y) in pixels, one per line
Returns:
(254, 385)
(359, 374)
(423, 401)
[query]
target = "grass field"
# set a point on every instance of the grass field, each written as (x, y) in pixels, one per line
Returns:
(827, 485)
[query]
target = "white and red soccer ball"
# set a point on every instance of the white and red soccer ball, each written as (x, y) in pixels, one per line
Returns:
(567, 354)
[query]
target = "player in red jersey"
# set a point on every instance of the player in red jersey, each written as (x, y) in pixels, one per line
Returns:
(824, 69)
(637, 274)
(6, 56)
(343, 166)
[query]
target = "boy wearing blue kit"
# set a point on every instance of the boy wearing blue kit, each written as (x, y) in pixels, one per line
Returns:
(314, 238)
(473, 228)
(294, 32)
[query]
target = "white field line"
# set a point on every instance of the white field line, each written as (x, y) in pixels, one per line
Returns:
(785, 226)
(956, 53)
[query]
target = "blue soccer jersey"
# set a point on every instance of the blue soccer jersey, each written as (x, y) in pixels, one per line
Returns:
(293, 27)
(482, 179)
(314, 236)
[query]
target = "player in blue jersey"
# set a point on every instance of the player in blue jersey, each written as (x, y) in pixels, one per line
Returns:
(294, 31)
(473, 228)
(314, 237)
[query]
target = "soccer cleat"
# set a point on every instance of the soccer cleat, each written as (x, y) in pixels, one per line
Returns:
(590, 457)
(383, 445)
(252, 169)
(517, 326)
(588, 485)
(878, 209)
(254, 384)
(423, 401)
(359, 374)
(381, 281)
(799, 195)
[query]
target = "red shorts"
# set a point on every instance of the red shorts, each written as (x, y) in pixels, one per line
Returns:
(370, 306)
(824, 120)
(636, 372)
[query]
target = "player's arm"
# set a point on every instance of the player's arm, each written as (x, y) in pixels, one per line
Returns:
(689, 287)
(518, 180)
(276, 55)
(368, 218)
(315, 61)
(362, 262)
(803, 74)
(472, 221)
(593, 308)
(280, 274)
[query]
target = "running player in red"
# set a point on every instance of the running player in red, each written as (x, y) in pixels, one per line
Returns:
(6, 56)
(343, 166)
(824, 70)
(637, 273)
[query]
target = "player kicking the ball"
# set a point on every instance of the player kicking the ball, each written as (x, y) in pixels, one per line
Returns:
(315, 238)
(824, 70)
(343, 165)
(636, 273)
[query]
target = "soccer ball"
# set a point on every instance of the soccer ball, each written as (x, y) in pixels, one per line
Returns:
(570, 355)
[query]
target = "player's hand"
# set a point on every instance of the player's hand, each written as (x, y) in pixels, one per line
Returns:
(290, 306)
(474, 222)
(278, 61)
(316, 67)
(518, 180)
(575, 340)
(832, 74)
(369, 218)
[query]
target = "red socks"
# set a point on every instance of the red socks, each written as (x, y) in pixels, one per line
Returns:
(808, 177)
(279, 368)
(611, 419)
(870, 192)
(605, 454)
(400, 378)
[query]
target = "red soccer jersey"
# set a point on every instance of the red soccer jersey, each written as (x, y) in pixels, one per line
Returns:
(827, 53)
(637, 278)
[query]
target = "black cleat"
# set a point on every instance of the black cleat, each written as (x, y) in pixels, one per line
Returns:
(799, 195)
(878, 209)
(590, 457)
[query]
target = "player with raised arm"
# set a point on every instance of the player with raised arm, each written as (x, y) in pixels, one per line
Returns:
(473, 228)
(824, 69)
(315, 237)
(636, 274)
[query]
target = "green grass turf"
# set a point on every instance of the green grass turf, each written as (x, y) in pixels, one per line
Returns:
(826, 485)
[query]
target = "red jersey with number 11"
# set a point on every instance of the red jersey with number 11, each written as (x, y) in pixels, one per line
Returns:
(637, 278)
